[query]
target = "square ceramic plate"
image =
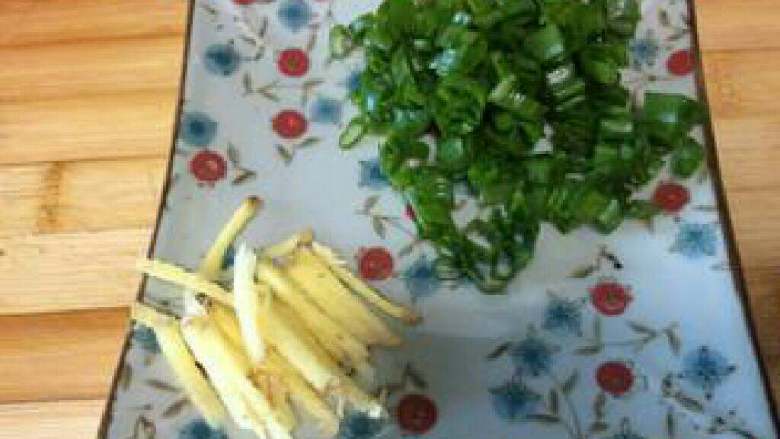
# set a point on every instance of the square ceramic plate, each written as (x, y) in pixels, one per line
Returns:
(640, 334)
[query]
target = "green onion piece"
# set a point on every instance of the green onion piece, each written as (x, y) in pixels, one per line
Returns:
(686, 158)
(352, 134)
(668, 117)
(546, 45)
(446, 268)
(339, 42)
(642, 209)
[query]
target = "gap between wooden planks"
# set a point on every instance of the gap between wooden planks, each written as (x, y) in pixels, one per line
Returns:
(76, 231)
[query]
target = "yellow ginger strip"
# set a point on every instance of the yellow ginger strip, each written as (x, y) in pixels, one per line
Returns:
(175, 351)
(327, 331)
(309, 359)
(302, 394)
(179, 276)
(211, 265)
(336, 300)
(288, 245)
(337, 265)
(247, 302)
(228, 366)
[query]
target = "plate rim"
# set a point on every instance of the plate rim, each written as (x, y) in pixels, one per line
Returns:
(713, 162)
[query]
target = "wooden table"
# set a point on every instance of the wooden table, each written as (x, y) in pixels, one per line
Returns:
(87, 95)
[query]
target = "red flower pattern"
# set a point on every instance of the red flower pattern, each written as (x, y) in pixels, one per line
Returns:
(289, 124)
(293, 62)
(375, 263)
(680, 63)
(416, 413)
(671, 197)
(208, 166)
(615, 378)
(610, 298)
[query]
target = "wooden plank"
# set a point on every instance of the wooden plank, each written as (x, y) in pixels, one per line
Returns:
(26, 22)
(731, 25)
(80, 196)
(756, 227)
(50, 420)
(749, 151)
(100, 195)
(60, 356)
(89, 68)
(20, 187)
(67, 271)
(764, 298)
(92, 127)
(743, 83)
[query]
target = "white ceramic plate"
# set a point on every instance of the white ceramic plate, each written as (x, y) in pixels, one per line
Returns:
(640, 334)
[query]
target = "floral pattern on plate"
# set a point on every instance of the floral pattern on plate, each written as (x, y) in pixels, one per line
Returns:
(602, 337)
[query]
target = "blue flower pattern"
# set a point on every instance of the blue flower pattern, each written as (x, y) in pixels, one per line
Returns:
(532, 355)
(145, 339)
(513, 401)
(199, 429)
(644, 50)
(706, 369)
(359, 426)
(563, 316)
(197, 129)
(353, 80)
(696, 240)
(371, 175)
(325, 110)
(295, 14)
(221, 59)
(420, 278)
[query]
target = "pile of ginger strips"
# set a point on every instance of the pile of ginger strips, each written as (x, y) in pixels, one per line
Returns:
(292, 336)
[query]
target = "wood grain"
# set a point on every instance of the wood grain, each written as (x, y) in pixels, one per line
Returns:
(40, 22)
(725, 25)
(740, 58)
(50, 197)
(66, 271)
(102, 67)
(749, 147)
(742, 83)
(50, 420)
(115, 125)
(59, 356)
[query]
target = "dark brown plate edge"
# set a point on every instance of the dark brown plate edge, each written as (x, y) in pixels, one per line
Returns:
(735, 261)
(106, 418)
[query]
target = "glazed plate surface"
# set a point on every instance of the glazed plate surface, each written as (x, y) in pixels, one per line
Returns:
(636, 335)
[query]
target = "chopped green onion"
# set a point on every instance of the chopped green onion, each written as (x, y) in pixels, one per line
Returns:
(481, 80)
(340, 43)
(352, 134)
